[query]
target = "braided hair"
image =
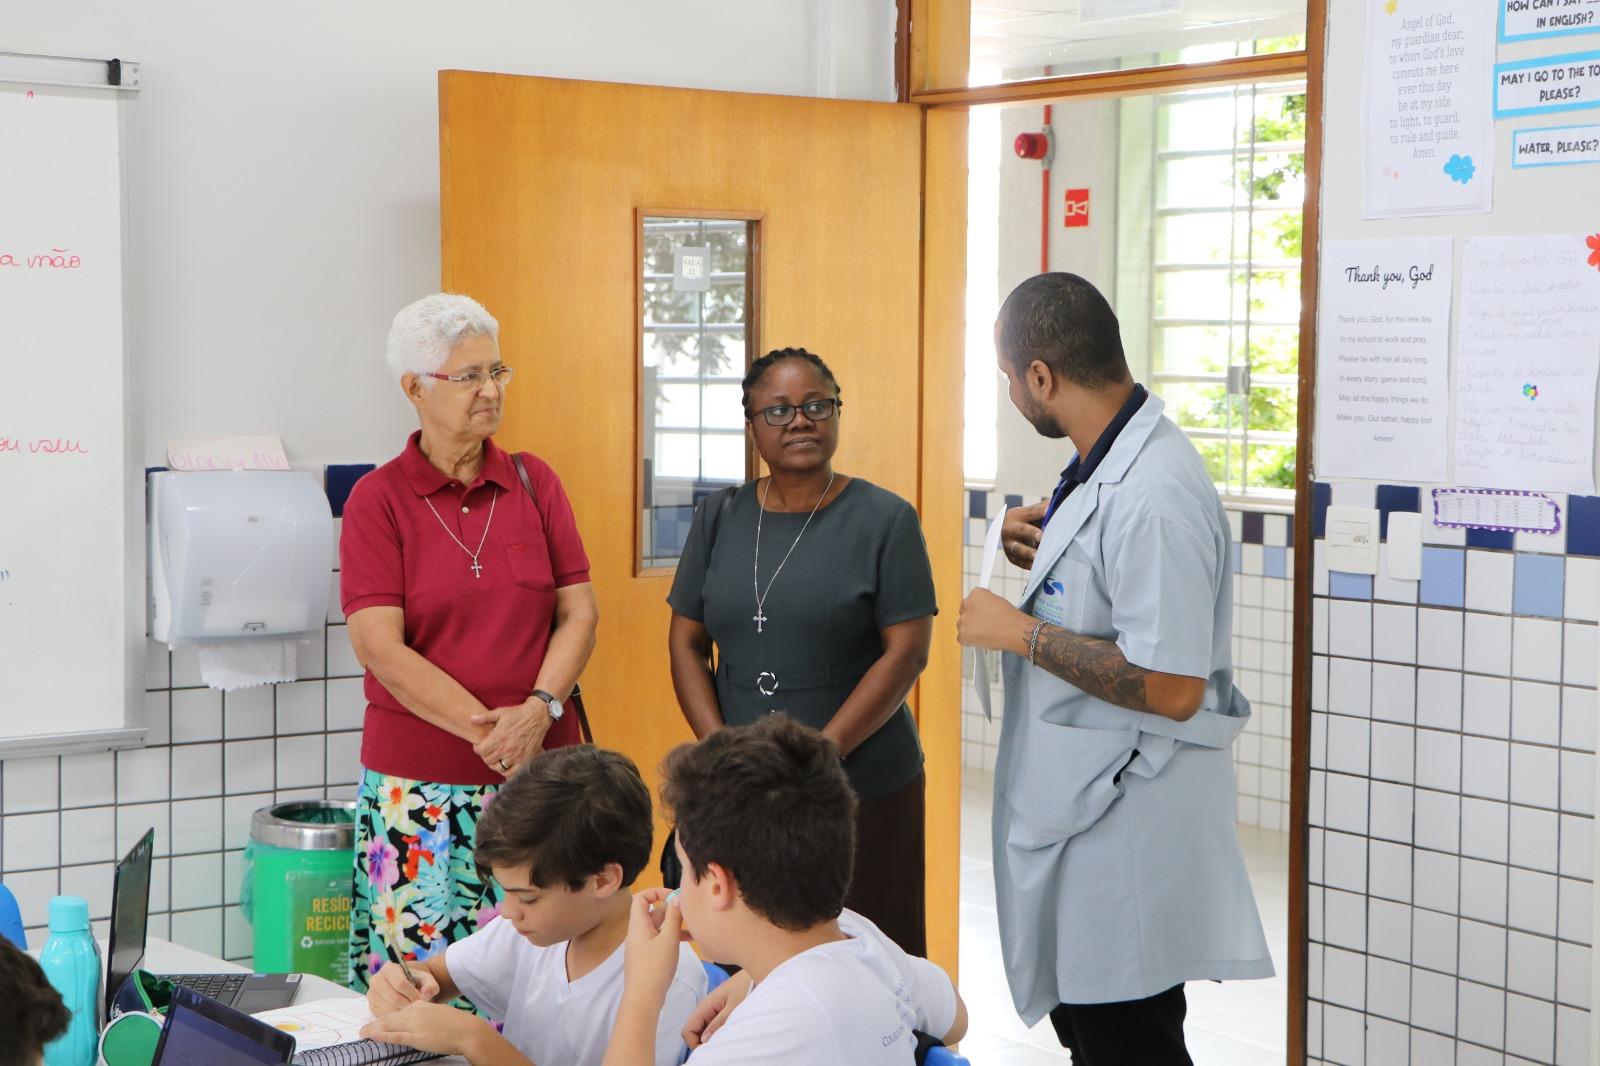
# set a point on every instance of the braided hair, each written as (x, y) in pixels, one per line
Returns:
(759, 368)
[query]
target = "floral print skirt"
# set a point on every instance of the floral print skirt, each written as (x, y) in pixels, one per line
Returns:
(416, 888)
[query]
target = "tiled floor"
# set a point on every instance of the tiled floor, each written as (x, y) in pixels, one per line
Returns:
(1240, 1023)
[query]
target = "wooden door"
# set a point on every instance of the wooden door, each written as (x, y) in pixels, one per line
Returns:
(542, 185)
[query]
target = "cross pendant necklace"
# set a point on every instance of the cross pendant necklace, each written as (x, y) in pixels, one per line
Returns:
(476, 567)
(760, 617)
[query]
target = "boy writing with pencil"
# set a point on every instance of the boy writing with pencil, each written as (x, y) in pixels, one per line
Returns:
(564, 838)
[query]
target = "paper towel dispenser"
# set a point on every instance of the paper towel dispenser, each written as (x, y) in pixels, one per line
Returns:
(238, 554)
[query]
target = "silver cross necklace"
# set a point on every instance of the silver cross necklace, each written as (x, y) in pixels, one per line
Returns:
(760, 617)
(477, 569)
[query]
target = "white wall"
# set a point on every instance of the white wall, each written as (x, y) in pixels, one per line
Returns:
(284, 172)
(1086, 157)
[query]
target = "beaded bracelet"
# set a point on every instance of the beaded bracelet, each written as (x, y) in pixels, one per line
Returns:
(1033, 642)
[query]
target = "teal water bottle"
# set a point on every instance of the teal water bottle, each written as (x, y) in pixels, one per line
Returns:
(71, 961)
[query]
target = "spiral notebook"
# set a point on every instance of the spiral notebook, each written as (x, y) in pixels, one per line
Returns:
(328, 1033)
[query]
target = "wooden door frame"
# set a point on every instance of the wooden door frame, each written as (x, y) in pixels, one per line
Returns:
(1305, 550)
(1277, 66)
(930, 66)
(932, 50)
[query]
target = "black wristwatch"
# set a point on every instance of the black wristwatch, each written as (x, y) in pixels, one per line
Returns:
(556, 710)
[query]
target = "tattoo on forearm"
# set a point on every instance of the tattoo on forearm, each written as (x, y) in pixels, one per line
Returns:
(1096, 666)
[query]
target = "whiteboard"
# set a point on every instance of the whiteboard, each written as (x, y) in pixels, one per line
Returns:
(69, 580)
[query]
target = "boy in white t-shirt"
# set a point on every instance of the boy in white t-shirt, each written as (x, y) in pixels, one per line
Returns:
(766, 835)
(564, 838)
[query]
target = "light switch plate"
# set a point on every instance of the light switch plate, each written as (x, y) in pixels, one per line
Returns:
(1352, 537)
(1403, 560)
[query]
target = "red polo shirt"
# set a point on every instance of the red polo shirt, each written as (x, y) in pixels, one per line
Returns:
(488, 631)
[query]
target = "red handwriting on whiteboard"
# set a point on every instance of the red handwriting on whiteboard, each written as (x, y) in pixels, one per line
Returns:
(55, 259)
(44, 446)
(56, 446)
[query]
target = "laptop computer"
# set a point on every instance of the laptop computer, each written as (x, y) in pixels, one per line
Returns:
(130, 919)
(202, 1032)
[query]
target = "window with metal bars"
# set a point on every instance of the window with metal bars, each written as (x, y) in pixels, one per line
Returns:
(1222, 171)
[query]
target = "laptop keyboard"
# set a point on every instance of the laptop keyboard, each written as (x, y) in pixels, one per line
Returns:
(222, 987)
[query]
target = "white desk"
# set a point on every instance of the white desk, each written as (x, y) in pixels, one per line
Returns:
(162, 956)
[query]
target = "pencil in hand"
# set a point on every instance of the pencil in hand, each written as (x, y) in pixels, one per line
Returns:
(400, 956)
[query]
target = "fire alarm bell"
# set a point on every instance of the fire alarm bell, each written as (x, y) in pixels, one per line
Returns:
(1031, 146)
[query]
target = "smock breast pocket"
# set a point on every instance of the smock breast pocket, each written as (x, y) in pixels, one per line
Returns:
(1062, 599)
(528, 558)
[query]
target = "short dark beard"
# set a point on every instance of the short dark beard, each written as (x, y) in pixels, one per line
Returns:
(1043, 422)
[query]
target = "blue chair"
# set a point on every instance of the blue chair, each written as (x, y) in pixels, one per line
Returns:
(11, 919)
(715, 975)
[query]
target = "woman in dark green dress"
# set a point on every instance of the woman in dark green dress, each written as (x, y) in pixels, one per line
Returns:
(809, 593)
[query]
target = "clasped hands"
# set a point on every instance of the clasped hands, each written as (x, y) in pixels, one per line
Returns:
(516, 734)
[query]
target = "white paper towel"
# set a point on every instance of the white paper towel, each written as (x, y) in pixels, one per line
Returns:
(247, 663)
(980, 665)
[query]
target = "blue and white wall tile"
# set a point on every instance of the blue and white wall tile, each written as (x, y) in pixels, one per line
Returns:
(1452, 796)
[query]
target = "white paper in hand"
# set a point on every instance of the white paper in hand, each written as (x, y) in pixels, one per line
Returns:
(980, 663)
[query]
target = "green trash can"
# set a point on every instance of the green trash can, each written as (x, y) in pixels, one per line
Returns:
(298, 873)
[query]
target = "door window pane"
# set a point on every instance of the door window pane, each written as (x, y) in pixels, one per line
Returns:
(695, 278)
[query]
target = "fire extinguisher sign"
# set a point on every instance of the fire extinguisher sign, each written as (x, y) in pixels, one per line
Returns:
(1077, 208)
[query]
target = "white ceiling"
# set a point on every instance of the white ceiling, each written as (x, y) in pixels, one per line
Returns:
(1020, 34)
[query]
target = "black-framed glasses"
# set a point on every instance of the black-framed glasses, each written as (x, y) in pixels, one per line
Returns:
(781, 414)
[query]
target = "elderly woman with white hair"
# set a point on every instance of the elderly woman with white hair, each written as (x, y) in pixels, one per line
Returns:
(467, 592)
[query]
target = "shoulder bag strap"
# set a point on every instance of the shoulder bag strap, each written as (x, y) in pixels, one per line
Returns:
(719, 504)
(574, 702)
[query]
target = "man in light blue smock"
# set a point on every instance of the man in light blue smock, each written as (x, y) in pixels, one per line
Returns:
(1118, 874)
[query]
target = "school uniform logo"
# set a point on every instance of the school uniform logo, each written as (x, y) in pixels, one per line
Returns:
(1050, 605)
